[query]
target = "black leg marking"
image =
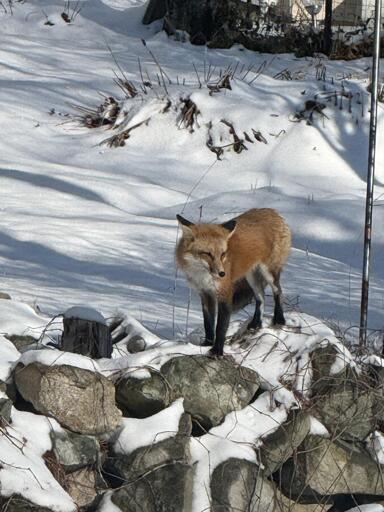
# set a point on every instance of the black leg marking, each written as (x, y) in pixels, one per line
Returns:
(208, 303)
(278, 314)
(223, 316)
(255, 323)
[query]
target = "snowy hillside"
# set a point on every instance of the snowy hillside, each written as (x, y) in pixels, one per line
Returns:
(85, 223)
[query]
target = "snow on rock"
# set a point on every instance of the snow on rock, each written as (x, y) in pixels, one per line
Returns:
(8, 356)
(107, 504)
(317, 428)
(129, 328)
(281, 356)
(375, 445)
(236, 437)
(137, 364)
(137, 433)
(23, 470)
(49, 357)
(373, 359)
(21, 319)
(85, 313)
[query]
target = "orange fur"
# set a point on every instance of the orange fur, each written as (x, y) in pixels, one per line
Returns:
(261, 237)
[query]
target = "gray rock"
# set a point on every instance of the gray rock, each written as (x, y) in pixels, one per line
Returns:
(5, 296)
(5, 409)
(174, 449)
(345, 402)
(141, 398)
(322, 360)
(81, 485)
(240, 485)
(9, 389)
(211, 387)
(136, 344)
(346, 405)
(74, 451)
(155, 10)
(17, 503)
(20, 341)
(166, 489)
(280, 445)
(80, 400)
(322, 468)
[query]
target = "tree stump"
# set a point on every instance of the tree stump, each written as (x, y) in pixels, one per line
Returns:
(86, 333)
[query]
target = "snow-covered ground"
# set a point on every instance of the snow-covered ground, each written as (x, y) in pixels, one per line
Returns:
(86, 224)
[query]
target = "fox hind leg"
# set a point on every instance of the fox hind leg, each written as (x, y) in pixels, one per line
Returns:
(257, 282)
(278, 314)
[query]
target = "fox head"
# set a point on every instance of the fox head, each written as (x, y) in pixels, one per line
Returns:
(207, 244)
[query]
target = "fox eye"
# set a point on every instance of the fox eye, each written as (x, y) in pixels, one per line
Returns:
(205, 253)
(223, 255)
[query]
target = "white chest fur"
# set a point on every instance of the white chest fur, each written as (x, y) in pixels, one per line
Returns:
(197, 272)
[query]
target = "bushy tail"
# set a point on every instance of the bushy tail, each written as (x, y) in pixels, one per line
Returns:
(242, 296)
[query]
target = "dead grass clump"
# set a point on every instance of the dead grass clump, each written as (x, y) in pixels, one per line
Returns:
(104, 115)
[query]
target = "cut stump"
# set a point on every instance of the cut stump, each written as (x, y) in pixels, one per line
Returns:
(86, 337)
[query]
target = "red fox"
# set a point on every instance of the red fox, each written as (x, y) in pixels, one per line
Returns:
(228, 262)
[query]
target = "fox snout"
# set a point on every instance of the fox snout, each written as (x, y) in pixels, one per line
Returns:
(217, 271)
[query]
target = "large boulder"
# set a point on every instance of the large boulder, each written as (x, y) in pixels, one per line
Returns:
(140, 398)
(166, 489)
(211, 388)
(74, 451)
(344, 400)
(346, 405)
(326, 361)
(322, 467)
(240, 485)
(80, 400)
(126, 467)
(278, 447)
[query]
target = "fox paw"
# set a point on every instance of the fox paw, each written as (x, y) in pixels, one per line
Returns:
(254, 326)
(215, 353)
(206, 343)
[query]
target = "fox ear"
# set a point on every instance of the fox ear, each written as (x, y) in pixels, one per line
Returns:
(230, 226)
(185, 226)
(183, 221)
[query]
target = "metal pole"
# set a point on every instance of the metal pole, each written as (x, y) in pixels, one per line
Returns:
(327, 43)
(371, 176)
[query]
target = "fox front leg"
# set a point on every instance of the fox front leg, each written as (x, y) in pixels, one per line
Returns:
(209, 306)
(223, 316)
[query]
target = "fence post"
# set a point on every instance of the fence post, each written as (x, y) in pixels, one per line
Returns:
(370, 176)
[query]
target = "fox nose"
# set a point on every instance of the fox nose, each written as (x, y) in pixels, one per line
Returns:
(221, 273)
